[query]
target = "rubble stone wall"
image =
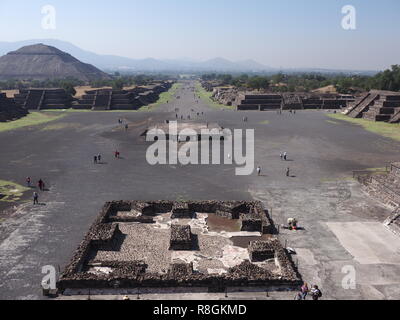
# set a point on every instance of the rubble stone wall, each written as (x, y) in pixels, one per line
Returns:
(133, 274)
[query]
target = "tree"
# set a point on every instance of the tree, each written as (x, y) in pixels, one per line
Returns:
(69, 88)
(118, 84)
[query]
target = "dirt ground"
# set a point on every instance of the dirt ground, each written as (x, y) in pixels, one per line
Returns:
(320, 193)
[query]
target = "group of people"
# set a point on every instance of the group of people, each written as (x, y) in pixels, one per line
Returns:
(315, 292)
(41, 186)
(259, 171)
(189, 117)
(97, 159)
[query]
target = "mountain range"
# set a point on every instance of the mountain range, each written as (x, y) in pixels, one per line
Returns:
(123, 64)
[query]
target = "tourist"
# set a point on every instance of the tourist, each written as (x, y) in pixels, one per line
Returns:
(99, 158)
(288, 172)
(292, 223)
(285, 156)
(315, 293)
(298, 296)
(259, 171)
(28, 182)
(41, 185)
(281, 155)
(304, 291)
(126, 127)
(95, 160)
(35, 198)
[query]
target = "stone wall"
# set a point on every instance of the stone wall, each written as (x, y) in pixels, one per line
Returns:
(181, 238)
(133, 274)
(9, 110)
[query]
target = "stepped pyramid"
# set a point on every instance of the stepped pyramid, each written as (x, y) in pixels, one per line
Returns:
(41, 62)
(376, 105)
(9, 110)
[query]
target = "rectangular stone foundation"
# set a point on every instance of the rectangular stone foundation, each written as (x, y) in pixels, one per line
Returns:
(181, 238)
(261, 250)
(182, 211)
(114, 256)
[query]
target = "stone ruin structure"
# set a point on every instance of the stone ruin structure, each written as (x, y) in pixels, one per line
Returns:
(181, 238)
(225, 95)
(264, 101)
(386, 188)
(376, 105)
(262, 250)
(133, 99)
(259, 102)
(41, 99)
(97, 265)
(9, 110)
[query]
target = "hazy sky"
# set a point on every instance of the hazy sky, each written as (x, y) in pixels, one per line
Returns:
(284, 33)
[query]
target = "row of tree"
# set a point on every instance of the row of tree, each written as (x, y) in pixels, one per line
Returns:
(280, 82)
(117, 82)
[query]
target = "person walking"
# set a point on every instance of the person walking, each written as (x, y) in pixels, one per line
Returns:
(35, 198)
(95, 159)
(28, 182)
(285, 156)
(99, 158)
(259, 171)
(41, 185)
(315, 293)
(288, 172)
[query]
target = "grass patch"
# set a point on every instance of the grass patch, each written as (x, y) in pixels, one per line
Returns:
(85, 111)
(206, 97)
(332, 122)
(388, 130)
(342, 179)
(32, 119)
(10, 191)
(164, 97)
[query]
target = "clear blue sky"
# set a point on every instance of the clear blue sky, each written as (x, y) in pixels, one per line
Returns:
(284, 33)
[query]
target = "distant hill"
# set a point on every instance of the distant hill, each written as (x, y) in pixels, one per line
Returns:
(41, 62)
(117, 63)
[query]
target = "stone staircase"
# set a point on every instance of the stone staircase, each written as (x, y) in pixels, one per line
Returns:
(384, 187)
(354, 104)
(384, 108)
(41, 99)
(396, 116)
(362, 105)
(102, 101)
(393, 222)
